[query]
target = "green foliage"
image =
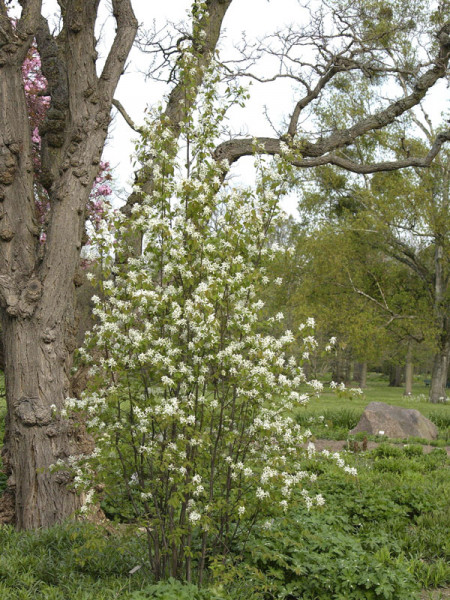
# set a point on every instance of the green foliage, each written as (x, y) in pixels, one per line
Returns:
(442, 421)
(70, 562)
(312, 557)
(382, 536)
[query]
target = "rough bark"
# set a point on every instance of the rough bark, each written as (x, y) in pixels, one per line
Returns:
(37, 306)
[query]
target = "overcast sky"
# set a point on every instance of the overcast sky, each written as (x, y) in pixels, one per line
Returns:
(252, 18)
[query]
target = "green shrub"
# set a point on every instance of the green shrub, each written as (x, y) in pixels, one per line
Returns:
(413, 450)
(442, 422)
(176, 590)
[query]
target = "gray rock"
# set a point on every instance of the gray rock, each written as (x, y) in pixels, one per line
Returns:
(395, 422)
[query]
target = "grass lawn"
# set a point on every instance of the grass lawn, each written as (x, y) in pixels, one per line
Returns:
(378, 390)
(342, 413)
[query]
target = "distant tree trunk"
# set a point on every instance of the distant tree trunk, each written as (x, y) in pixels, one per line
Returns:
(361, 374)
(2, 353)
(409, 368)
(439, 371)
(439, 375)
(347, 370)
(395, 376)
(338, 370)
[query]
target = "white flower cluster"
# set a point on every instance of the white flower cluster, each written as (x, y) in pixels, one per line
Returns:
(190, 401)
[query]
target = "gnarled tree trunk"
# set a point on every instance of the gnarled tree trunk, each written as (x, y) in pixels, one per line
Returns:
(37, 364)
(37, 281)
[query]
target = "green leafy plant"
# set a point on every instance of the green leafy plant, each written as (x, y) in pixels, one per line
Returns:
(189, 402)
(173, 589)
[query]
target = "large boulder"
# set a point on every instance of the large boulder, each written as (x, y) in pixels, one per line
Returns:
(395, 422)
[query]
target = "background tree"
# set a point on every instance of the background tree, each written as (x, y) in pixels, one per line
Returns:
(403, 217)
(414, 211)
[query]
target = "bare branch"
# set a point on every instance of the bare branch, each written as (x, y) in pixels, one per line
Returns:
(125, 33)
(348, 165)
(382, 305)
(321, 151)
(209, 32)
(126, 116)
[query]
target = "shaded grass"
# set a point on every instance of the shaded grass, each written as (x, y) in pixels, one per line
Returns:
(75, 561)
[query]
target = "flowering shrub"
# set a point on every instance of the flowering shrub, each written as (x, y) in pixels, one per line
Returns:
(189, 403)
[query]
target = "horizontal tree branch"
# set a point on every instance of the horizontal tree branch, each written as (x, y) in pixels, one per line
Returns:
(322, 151)
(349, 165)
(234, 149)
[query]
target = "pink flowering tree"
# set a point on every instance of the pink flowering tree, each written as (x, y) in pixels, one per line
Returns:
(38, 104)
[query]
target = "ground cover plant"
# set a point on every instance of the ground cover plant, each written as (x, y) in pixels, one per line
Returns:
(384, 535)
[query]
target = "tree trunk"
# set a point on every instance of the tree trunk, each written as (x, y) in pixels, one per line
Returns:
(439, 375)
(37, 280)
(439, 370)
(409, 368)
(395, 376)
(36, 385)
(362, 375)
(336, 370)
(347, 370)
